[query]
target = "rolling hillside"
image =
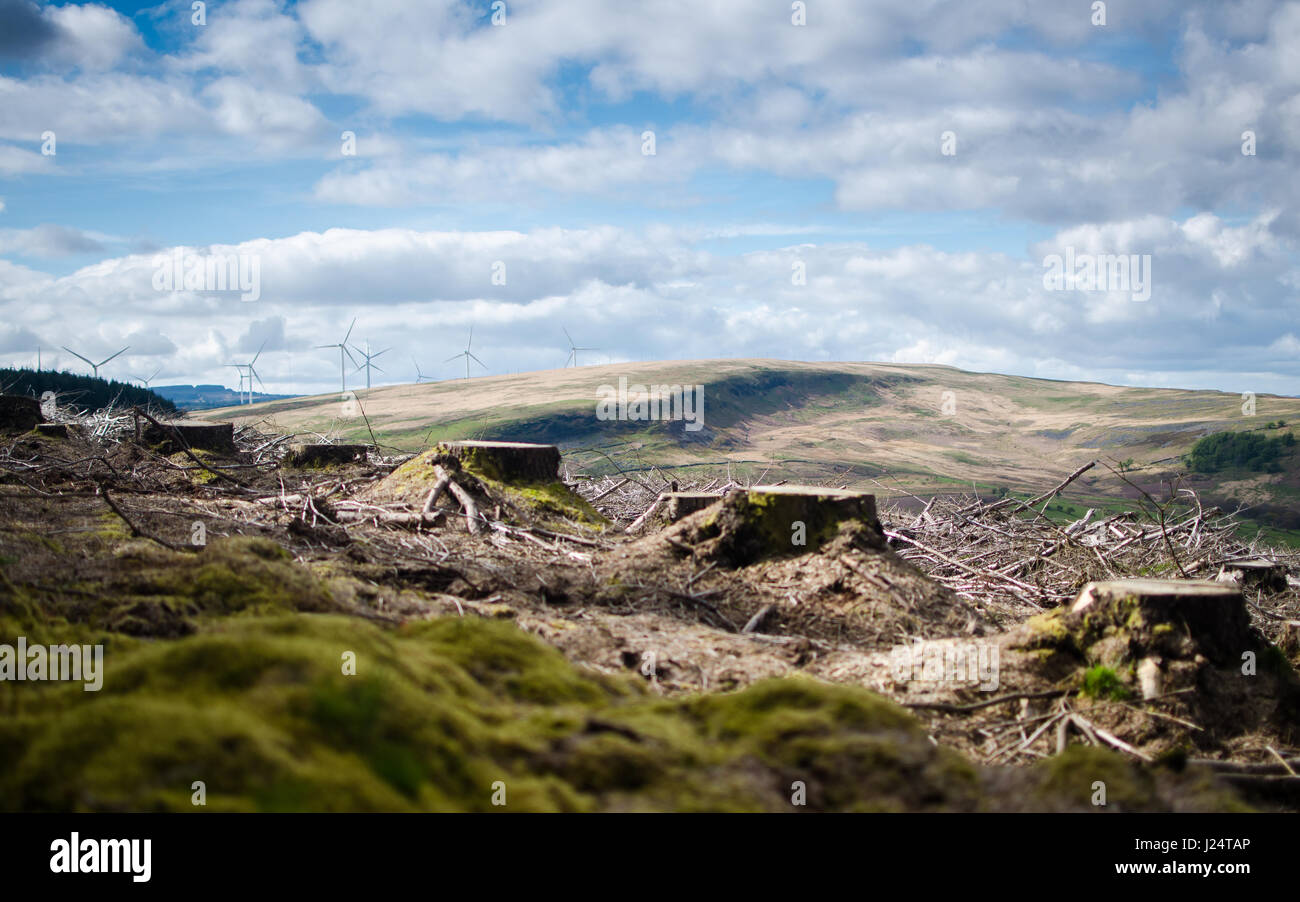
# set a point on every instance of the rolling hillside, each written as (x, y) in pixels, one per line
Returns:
(859, 422)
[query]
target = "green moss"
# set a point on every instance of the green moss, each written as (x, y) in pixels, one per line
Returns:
(1072, 778)
(1101, 682)
(258, 708)
(1073, 774)
(548, 499)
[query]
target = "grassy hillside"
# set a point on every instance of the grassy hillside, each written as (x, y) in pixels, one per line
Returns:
(912, 427)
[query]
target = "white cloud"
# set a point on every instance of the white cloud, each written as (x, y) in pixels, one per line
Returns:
(91, 36)
(651, 293)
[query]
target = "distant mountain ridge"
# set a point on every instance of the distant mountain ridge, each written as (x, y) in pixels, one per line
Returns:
(201, 397)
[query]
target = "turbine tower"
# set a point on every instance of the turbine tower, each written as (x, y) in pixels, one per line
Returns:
(573, 349)
(246, 371)
(95, 366)
(467, 354)
(343, 350)
(368, 365)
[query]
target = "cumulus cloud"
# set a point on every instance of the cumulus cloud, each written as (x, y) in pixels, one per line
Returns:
(652, 293)
(1056, 124)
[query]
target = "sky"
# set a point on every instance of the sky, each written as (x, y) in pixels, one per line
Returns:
(879, 180)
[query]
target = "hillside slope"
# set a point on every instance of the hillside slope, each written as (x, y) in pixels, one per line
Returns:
(913, 427)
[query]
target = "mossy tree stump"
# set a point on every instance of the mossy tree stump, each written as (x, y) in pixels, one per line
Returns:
(200, 435)
(819, 508)
(1178, 616)
(771, 521)
(19, 413)
(507, 462)
(304, 455)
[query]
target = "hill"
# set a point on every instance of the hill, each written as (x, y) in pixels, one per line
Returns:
(914, 428)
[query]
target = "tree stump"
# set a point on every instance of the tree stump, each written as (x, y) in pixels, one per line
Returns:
(176, 435)
(1257, 574)
(1210, 615)
(682, 504)
(19, 413)
(303, 456)
(816, 506)
(773, 521)
(54, 430)
(508, 462)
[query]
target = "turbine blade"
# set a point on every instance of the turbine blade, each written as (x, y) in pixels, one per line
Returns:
(454, 357)
(476, 360)
(107, 359)
(258, 354)
(75, 354)
(567, 335)
(349, 332)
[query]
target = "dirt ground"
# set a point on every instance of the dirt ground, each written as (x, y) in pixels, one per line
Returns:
(82, 522)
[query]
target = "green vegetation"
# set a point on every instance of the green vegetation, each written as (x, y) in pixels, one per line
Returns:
(1103, 683)
(1239, 450)
(437, 712)
(85, 392)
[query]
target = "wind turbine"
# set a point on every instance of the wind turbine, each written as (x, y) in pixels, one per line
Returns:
(246, 371)
(419, 376)
(95, 366)
(149, 379)
(467, 354)
(573, 349)
(368, 366)
(343, 349)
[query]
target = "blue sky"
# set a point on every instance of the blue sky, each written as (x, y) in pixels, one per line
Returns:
(779, 148)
